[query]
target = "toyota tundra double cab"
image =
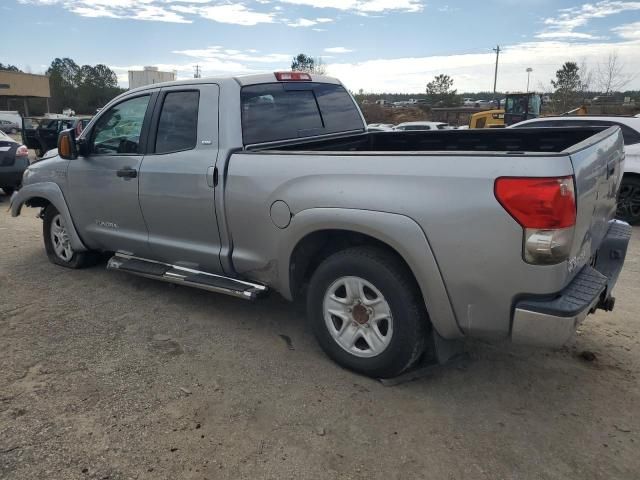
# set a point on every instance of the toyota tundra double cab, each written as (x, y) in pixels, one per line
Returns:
(401, 243)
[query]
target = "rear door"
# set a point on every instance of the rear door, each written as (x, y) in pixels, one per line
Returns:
(177, 178)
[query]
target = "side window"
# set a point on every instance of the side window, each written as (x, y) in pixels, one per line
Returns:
(178, 124)
(118, 130)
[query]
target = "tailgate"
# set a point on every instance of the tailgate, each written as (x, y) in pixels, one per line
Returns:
(598, 164)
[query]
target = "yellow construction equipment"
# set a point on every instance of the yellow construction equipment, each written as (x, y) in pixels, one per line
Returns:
(517, 107)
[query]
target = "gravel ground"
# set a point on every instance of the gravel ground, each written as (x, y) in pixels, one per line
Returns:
(110, 376)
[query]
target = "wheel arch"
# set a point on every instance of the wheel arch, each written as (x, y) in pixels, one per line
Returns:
(315, 234)
(42, 195)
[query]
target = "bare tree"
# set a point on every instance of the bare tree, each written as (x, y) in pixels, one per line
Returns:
(610, 76)
(586, 76)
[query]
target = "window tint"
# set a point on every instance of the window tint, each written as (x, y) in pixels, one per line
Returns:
(178, 125)
(118, 129)
(280, 111)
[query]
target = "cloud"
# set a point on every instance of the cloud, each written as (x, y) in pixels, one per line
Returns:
(568, 19)
(235, 13)
(474, 72)
(630, 31)
(337, 50)
(363, 6)
(173, 11)
(220, 54)
(305, 22)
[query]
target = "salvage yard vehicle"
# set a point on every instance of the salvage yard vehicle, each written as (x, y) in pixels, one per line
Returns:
(41, 133)
(406, 126)
(629, 194)
(402, 243)
(14, 160)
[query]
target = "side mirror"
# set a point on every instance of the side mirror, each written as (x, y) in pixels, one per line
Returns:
(67, 148)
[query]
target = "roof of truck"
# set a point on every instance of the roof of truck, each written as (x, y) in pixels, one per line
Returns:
(242, 80)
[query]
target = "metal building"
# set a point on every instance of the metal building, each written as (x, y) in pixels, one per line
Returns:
(148, 76)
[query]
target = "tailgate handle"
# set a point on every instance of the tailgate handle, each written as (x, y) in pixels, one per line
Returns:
(127, 172)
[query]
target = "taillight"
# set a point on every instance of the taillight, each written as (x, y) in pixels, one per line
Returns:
(292, 77)
(546, 210)
(22, 151)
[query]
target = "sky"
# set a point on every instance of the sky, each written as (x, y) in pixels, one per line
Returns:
(373, 45)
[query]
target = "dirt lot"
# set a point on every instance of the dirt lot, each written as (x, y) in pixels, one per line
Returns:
(110, 376)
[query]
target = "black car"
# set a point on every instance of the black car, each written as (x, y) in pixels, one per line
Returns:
(41, 134)
(14, 159)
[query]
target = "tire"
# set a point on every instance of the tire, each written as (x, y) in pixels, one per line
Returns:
(8, 190)
(379, 348)
(58, 249)
(629, 200)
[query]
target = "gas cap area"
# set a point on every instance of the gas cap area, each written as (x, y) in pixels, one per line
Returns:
(280, 214)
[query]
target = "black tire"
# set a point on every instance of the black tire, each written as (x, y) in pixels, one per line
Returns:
(629, 200)
(77, 259)
(396, 283)
(8, 190)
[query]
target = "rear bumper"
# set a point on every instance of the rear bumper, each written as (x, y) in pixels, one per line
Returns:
(551, 322)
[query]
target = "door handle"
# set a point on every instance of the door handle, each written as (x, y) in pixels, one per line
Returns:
(127, 172)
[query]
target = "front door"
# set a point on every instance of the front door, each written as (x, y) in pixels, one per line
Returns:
(103, 185)
(177, 178)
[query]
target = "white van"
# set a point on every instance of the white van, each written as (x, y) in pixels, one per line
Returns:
(11, 116)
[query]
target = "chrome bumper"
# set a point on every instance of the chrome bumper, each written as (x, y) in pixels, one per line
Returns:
(552, 321)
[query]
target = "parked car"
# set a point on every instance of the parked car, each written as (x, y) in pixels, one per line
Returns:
(14, 160)
(291, 193)
(380, 127)
(629, 195)
(422, 126)
(7, 126)
(468, 102)
(484, 104)
(41, 133)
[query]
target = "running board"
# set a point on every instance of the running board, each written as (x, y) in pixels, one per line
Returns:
(185, 276)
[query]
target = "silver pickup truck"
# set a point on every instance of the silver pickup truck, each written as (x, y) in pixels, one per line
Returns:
(401, 242)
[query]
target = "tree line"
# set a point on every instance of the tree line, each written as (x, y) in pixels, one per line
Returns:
(83, 88)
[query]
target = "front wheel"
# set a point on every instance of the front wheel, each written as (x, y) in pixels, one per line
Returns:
(629, 201)
(57, 242)
(367, 313)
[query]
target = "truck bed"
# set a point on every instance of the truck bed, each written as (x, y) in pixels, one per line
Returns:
(531, 140)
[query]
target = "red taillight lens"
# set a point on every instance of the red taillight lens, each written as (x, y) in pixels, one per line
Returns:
(292, 77)
(22, 151)
(538, 202)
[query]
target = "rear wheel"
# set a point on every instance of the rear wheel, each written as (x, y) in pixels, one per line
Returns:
(629, 200)
(57, 241)
(366, 312)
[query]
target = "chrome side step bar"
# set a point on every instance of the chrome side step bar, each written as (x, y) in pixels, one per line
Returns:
(185, 276)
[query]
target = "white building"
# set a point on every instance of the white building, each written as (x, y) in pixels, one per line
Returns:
(148, 76)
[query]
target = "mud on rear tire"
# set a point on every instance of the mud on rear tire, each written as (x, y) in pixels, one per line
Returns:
(395, 282)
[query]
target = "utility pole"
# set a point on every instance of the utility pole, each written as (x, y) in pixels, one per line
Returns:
(197, 73)
(495, 76)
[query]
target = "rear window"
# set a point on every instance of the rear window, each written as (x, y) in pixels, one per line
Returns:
(282, 111)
